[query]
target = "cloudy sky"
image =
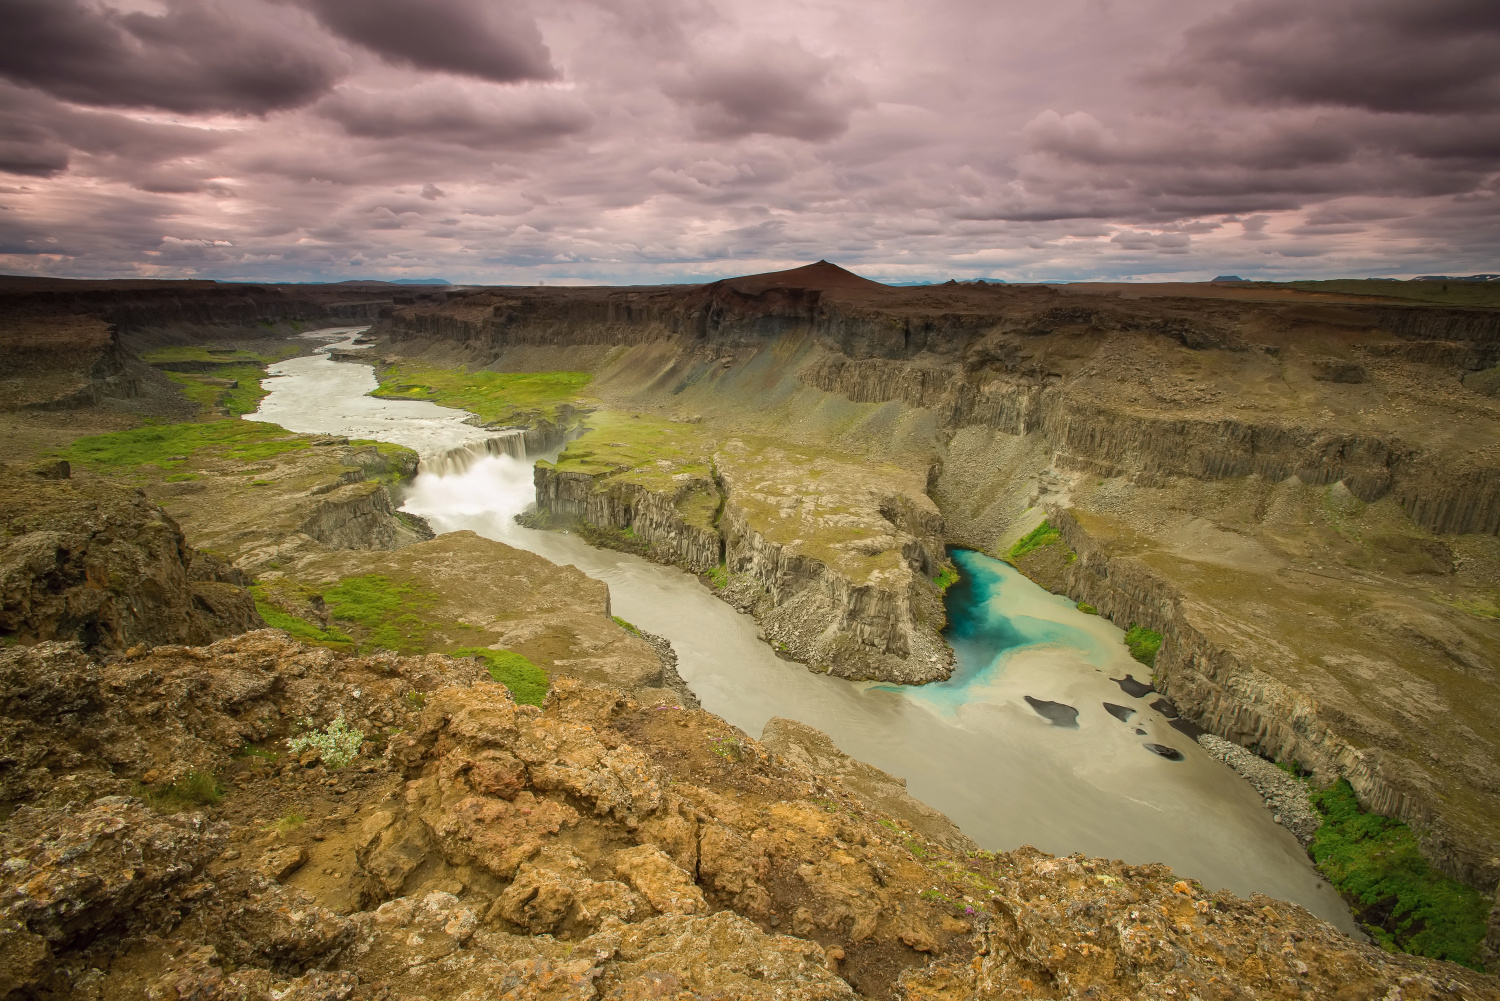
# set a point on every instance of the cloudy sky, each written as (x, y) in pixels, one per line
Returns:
(629, 141)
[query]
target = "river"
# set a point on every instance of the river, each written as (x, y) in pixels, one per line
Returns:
(972, 747)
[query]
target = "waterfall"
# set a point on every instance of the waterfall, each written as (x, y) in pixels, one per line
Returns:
(458, 460)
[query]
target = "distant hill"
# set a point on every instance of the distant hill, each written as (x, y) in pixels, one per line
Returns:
(821, 275)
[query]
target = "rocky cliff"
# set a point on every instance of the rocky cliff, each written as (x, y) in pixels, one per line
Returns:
(834, 559)
(595, 847)
(1035, 359)
(96, 563)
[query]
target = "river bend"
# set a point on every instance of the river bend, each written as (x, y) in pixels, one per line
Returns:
(972, 747)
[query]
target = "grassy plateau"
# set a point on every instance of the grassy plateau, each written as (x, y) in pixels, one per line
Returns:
(496, 397)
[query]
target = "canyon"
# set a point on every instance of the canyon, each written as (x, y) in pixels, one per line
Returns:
(1300, 491)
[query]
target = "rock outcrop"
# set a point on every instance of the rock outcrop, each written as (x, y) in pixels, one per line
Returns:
(593, 848)
(88, 560)
(834, 559)
(64, 362)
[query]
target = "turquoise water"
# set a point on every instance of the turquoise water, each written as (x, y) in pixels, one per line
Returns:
(984, 634)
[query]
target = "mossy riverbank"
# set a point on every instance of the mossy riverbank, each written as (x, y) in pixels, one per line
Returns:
(221, 381)
(497, 398)
(1395, 893)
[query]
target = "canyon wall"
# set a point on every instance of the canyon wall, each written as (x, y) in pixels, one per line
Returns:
(758, 524)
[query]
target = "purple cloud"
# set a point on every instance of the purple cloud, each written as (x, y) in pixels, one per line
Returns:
(480, 38)
(193, 56)
(776, 88)
(666, 140)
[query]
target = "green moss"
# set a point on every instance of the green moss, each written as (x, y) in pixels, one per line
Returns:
(1088, 609)
(192, 790)
(385, 609)
(946, 578)
(1144, 644)
(241, 399)
(718, 576)
(644, 450)
(625, 625)
(1401, 900)
(181, 477)
(1043, 535)
(206, 355)
(527, 682)
(296, 627)
(496, 397)
(168, 446)
(701, 508)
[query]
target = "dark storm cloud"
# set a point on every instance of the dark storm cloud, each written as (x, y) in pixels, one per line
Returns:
(775, 88)
(40, 136)
(1381, 55)
(442, 112)
(1236, 162)
(196, 56)
(480, 38)
(642, 140)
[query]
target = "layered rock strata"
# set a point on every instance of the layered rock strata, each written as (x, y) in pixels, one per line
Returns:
(1014, 359)
(1220, 674)
(833, 559)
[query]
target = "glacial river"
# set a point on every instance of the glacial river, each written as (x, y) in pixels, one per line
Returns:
(973, 747)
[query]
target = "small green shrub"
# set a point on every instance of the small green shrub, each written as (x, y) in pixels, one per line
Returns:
(527, 683)
(1144, 644)
(1401, 900)
(1041, 536)
(718, 576)
(1087, 609)
(728, 748)
(337, 746)
(286, 824)
(193, 789)
(625, 625)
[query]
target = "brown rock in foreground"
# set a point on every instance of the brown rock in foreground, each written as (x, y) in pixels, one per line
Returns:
(594, 848)
(92, 561)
